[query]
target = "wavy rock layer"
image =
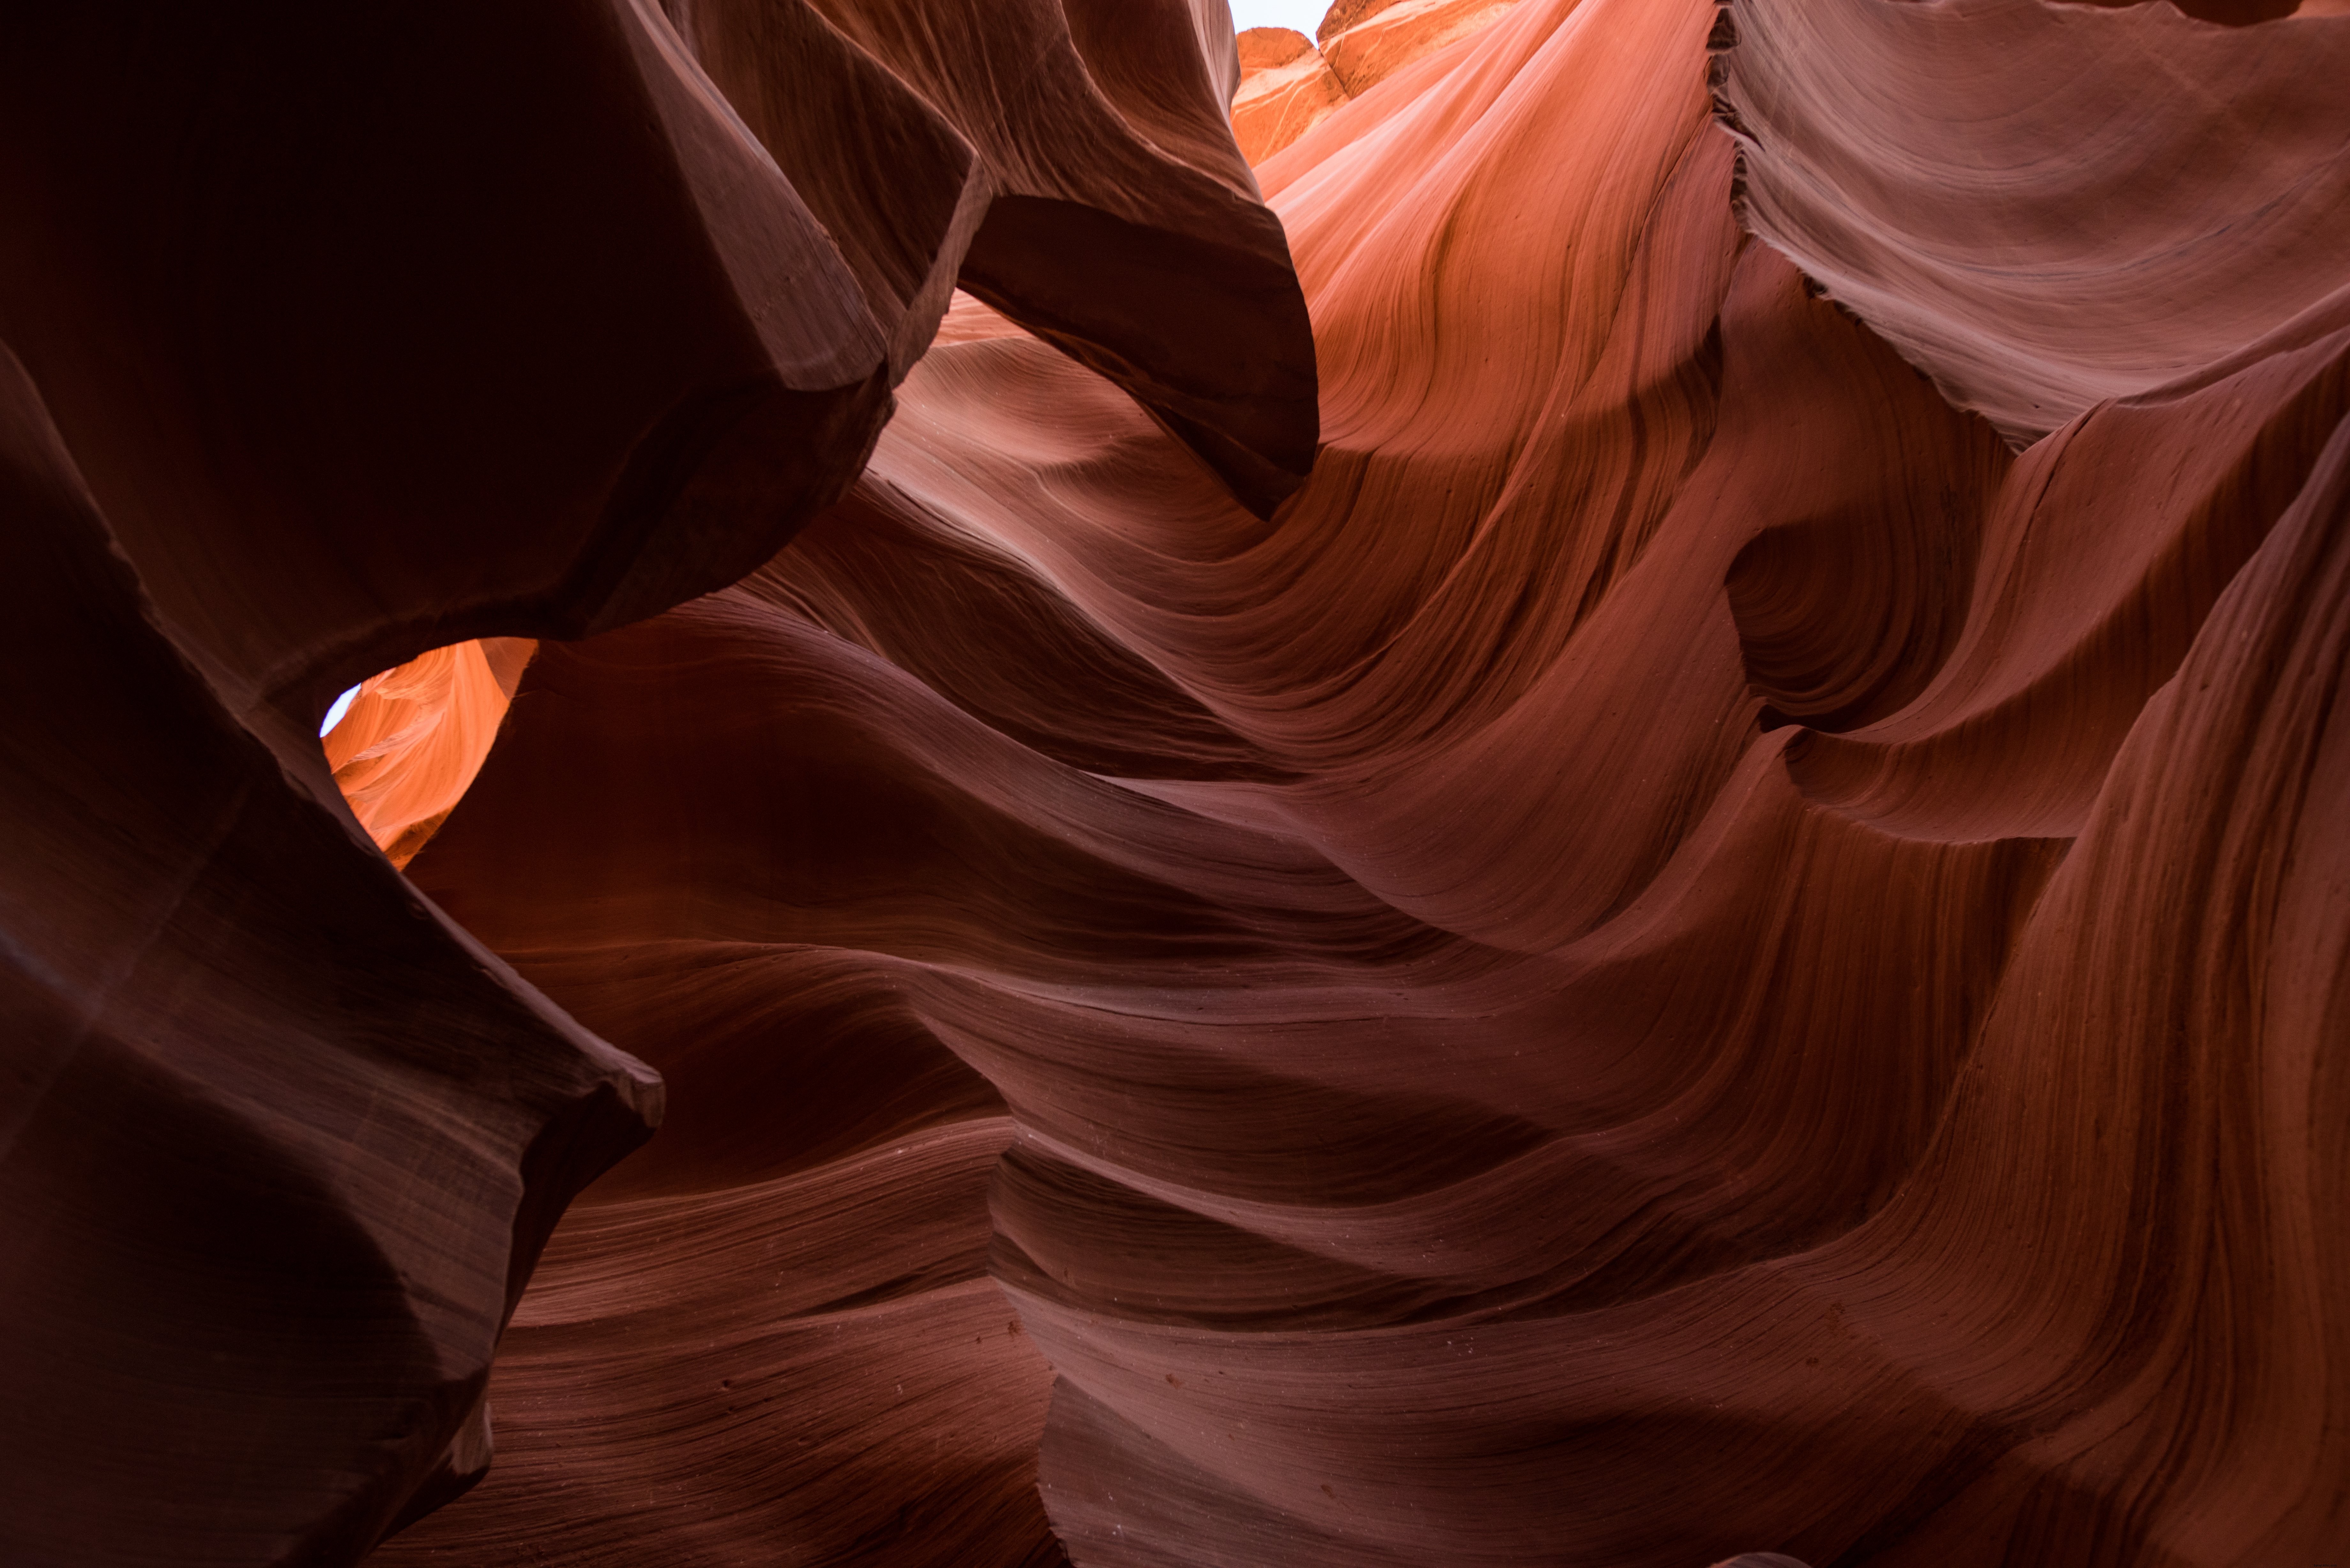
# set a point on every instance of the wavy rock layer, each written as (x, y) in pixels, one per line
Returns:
(1683, 954)
(1368, 41)
(336, 340)
(1288, 85)
(1067, 160)
(359, 364)
(2046, 206)
(1287, 89)
(278, 1143)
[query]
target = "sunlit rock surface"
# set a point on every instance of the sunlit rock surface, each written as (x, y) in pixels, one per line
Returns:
(1368, 41)
(1722, 942)
(409, 745)
(1290, 83)
(2045, 207)
(1287, 89)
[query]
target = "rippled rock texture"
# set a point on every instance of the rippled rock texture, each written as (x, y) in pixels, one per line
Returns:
(1287, 89)
(1724, 938)
(390, 338)
(1290, 83)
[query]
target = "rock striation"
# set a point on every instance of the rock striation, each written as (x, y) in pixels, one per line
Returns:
(376, 344)
(1686, 954)
(1368, 41)
(1722, 939)
(1290, 83)
(1038, 151)
(1287, 89)
(2045, 207)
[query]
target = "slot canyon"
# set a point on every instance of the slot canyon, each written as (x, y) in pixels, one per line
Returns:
(984, 783)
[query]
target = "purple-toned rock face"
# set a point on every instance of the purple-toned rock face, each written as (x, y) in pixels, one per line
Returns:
(1602, 822)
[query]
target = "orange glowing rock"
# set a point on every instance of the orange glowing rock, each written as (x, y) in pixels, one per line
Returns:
(1429, 871)
(1287, 89)
(415, 736)
(1368, 41)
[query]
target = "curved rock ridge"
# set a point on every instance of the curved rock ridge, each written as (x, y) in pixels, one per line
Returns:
(381, 342)
(1368, 41)
(1684, 955)
(1287, 89)
(1681, 956)
(279, 1142)
(1069, 162)
(360, 362)
(1289, 85)
(2047, 206)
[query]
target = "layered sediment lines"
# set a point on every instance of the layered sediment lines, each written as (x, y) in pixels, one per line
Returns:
(1723, 941)
(1287, 89)
(1685, 954)
(371, 344)
(1289, 83)
(2042, 207)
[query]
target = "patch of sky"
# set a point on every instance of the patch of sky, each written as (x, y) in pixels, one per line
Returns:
(1303, 15)
(335, 715)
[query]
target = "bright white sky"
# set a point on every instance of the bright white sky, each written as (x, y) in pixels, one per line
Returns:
(1303, 15)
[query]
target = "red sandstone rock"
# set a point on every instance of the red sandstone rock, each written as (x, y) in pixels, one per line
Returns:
(279, 1142)
(414, 737)
(1683, 954)
(2046, 206)
(1288, 86)
(1069, 161)
(857, 1389)
(1368, 41)
(359, 361)
(1287, 89)
(361, 335)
